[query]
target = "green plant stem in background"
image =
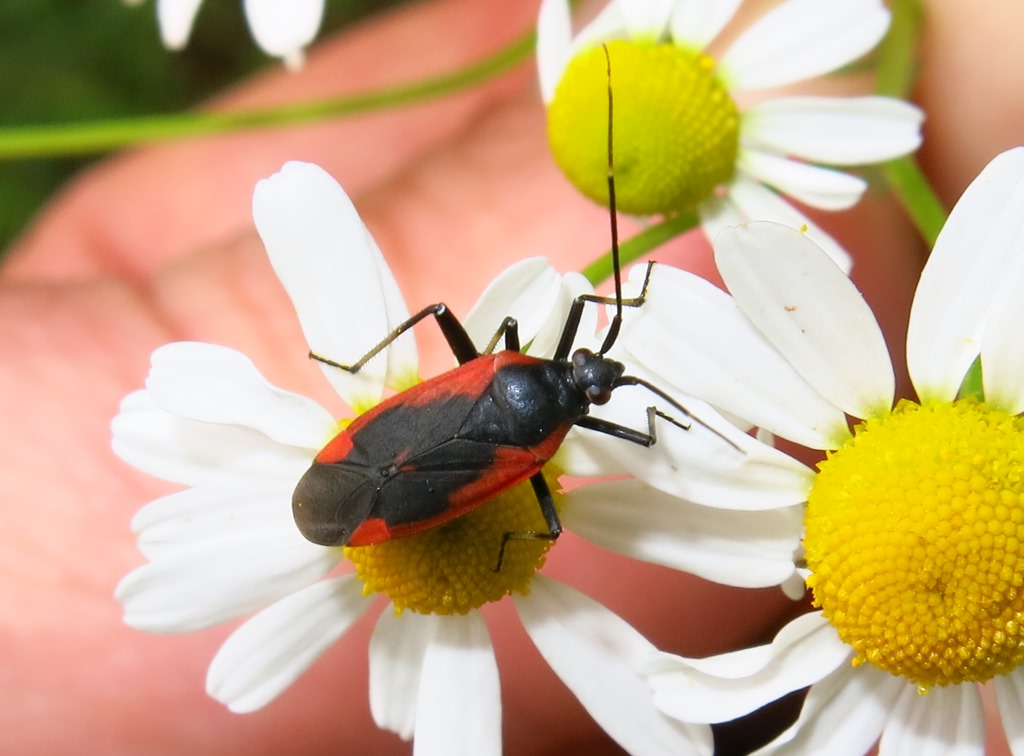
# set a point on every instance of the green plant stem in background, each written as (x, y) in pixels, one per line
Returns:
(897, 70)
(638, 246)
(911, 187)
(97, 136)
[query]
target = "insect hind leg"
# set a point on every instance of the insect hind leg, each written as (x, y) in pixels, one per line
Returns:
(547, 508)
(454, 333)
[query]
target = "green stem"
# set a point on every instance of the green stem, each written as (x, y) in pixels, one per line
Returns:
(640, 245)
(897, 62)
(915, 193)
(108, 134)
(897, 71)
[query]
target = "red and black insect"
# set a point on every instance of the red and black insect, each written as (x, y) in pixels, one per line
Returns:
(444, 447)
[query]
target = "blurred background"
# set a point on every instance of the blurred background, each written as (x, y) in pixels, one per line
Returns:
(68, 60)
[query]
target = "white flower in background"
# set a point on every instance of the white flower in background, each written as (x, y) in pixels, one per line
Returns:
(227, 546)
(282, 29)
(687, 136)
(914, 524)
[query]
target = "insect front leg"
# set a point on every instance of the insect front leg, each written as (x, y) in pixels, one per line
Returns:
(572, 321)
(461, 345)
(547, 508)
(650, 438)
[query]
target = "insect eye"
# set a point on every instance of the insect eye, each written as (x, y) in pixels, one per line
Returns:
(598, 394)
(581, 357)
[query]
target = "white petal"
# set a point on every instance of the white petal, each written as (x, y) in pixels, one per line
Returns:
(795, 586)
(579, 458)
(645, 19)
(571, 286)
(284, 29)
(527, 291)
(343, 291)
(397, 648)
(972, 257)
(1002, 345)
(710, 461)
(195, 453)
(746, 549)
(692, 336)
(215, 384)
(176, 18)
(750, 200)
(834, 130)
(721, 688)
(219, 579)
(949, 720)
(808, 309)
(269, 652)
(554, 36)
(803, 38)
(459, 711)
(539, 298)
(813, 185)
(198, 515)
(595, 654)
(843, 714)
(1010, 698)
(695, 23)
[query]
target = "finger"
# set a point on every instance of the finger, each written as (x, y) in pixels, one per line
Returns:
(972, 77)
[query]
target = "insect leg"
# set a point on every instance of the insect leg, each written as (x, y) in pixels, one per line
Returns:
(547, 508)
(651, 436)
(509, 328)
(572, 321)
(630, 434)
(461, 345)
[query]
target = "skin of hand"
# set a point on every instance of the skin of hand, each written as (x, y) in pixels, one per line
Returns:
(158, 245)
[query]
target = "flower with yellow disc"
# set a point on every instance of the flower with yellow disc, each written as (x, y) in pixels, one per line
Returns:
(693, 131)
(914, 521)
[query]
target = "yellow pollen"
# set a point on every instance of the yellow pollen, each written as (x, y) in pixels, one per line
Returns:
(450, 569)
(676, 129)
(914, 534)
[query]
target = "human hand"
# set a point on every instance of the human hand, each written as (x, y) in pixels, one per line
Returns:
(159, 245)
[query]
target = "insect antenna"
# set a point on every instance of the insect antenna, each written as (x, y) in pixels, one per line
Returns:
(616, 322)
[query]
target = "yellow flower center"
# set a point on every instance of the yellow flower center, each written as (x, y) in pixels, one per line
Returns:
(676, 130)
(450, 569)
(914, 534)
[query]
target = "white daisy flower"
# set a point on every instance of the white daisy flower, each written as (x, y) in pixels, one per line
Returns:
(227, 546)
(686, 134)
(914, 522)
(280, 29)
